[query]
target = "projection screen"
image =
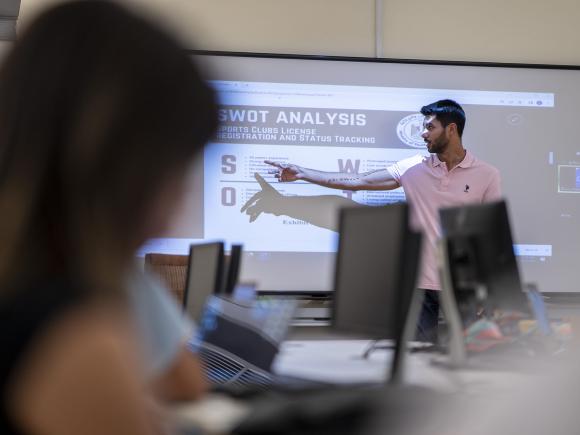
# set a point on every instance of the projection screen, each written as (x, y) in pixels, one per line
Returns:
(356, 115)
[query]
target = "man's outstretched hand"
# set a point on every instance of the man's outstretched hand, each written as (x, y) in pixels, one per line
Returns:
(265, 201)
(284, 171)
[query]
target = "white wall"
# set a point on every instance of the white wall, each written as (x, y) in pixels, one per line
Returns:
(534, 31)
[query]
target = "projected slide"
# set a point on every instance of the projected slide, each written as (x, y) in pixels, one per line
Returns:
(333, 128)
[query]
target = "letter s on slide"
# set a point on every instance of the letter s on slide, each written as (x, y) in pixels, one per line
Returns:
(228, 164)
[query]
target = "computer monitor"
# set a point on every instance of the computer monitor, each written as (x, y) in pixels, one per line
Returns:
(204, 276)
(479, 271)
(481, 255)
(376, 268)
(232, 269)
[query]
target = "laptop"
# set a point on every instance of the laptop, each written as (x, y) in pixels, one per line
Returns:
(238, 340)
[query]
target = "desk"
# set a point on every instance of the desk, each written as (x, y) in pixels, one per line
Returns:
(340, 362)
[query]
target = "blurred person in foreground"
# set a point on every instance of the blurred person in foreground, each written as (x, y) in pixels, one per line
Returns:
(174, 370)
(101, 115)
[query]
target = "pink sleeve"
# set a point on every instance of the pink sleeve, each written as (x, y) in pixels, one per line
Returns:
(399, 168)
(395, 172)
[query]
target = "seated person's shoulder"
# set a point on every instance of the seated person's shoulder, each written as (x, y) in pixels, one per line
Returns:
(84, 360)
(108, 327)
(80, 334)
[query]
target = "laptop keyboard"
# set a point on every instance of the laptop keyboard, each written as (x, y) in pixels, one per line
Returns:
(226, 372)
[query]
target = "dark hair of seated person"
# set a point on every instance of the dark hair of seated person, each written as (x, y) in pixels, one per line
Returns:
(101, 116)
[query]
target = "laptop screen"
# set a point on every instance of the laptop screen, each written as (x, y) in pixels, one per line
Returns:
(204, 276)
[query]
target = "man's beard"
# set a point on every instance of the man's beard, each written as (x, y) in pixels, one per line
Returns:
(438, 145)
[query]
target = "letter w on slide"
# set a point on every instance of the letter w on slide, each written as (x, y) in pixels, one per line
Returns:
(348, 166)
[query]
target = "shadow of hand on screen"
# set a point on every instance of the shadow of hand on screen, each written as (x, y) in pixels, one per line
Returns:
(319, 210)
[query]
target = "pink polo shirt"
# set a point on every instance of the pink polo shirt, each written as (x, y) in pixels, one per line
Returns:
(429, 186)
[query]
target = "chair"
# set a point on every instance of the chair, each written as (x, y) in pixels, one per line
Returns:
(171, 269)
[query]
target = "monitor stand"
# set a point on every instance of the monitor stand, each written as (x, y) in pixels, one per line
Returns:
(400, 345)
(457, 354)
(377, 345)
(407, 334)
(456, 357)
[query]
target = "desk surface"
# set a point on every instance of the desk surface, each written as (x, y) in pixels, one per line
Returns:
(341, 362)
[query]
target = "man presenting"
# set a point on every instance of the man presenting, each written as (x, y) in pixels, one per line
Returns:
(450, 176)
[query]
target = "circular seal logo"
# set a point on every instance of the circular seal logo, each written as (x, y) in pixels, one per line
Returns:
(409, 130)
